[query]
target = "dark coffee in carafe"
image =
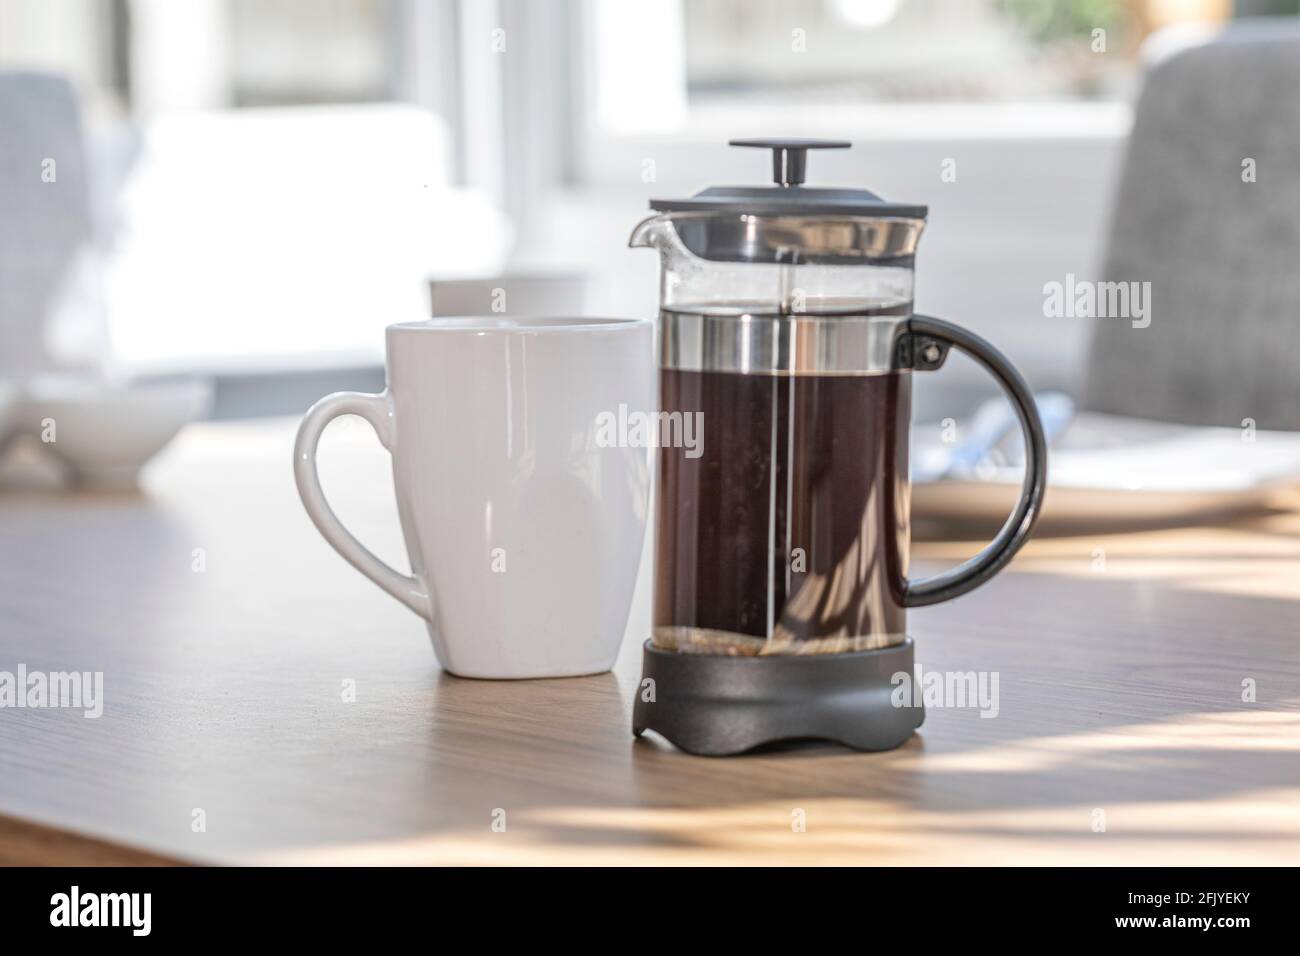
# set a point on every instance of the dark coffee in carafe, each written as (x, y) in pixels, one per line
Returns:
(786, 531)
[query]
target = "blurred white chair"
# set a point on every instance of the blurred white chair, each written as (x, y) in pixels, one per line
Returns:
(288, 238)
(50, 307)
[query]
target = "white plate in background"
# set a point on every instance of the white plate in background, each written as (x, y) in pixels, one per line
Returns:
(1110, 468)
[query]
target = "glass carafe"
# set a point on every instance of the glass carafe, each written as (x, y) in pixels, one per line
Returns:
(787, 342)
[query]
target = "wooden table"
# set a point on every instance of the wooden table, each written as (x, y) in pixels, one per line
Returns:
(226, 630)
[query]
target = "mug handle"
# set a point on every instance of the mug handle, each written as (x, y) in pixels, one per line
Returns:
(929, 339)
(378, 411)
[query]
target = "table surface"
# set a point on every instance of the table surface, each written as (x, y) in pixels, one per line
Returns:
(226, 629)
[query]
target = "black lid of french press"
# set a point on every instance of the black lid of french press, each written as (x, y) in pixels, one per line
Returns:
(789, 197)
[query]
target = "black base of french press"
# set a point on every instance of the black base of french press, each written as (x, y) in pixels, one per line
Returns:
(715, 705)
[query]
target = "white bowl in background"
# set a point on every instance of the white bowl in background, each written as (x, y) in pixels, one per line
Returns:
(106, 432)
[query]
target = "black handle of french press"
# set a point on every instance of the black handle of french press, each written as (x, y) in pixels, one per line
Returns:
(790, 156)
(999, 551)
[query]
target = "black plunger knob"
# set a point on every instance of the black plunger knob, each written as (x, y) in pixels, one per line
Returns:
(790, 156)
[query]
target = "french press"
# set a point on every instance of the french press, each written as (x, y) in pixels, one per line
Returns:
(787, 340)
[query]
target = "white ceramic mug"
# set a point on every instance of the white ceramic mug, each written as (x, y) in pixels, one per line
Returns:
(523, 526)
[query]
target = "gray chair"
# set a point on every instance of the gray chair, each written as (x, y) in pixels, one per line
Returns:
(45, 226)
(1222, 255)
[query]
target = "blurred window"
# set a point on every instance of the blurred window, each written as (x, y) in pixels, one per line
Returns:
(153, 55)
(908, 50)
(684, 66)
(84, 40)
(286, 52)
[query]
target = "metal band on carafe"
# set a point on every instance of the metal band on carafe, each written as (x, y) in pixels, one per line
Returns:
(782, 344)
